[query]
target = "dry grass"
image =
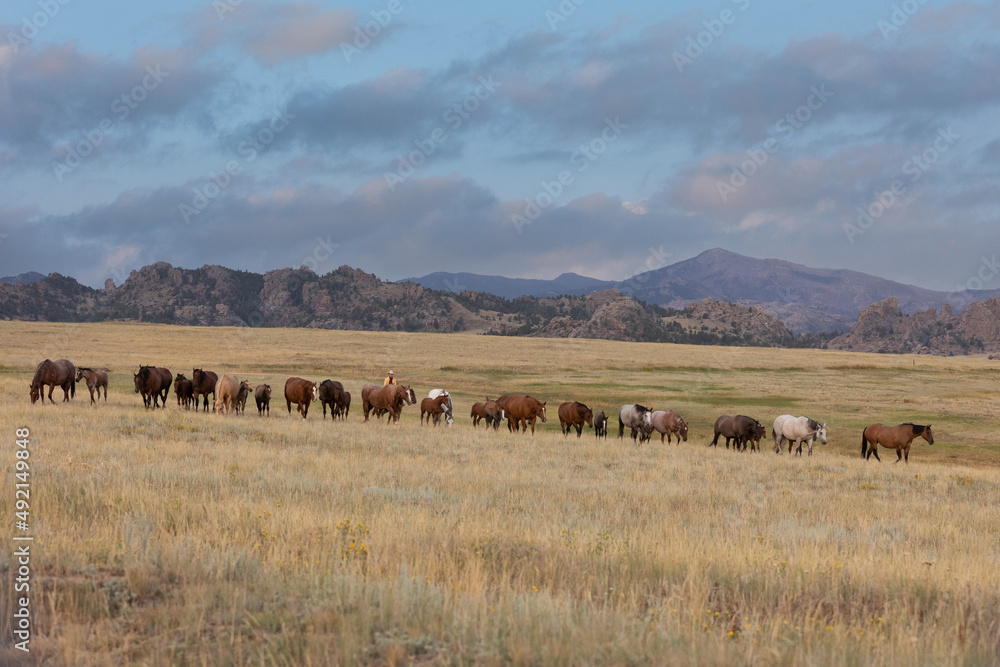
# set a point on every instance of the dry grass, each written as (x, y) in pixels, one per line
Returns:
(174, 538)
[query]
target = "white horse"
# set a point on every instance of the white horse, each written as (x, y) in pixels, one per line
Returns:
(449, 416)
(797, 430)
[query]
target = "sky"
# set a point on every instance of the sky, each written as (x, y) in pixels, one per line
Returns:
(523, 139)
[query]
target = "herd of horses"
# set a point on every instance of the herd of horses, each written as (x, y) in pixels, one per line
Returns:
(230, 394)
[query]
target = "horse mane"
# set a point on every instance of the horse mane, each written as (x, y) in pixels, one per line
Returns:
(917, 428)
(813, 424)
(641, 408)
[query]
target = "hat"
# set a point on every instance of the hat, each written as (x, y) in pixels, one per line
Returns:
(390, 372)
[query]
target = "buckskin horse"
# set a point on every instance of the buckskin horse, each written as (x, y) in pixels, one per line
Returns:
(95, 380)
(204, 384)
(893, 437)
(60, 373)
(390, 398)
(300, 392)
(154, 384)
(573, 414)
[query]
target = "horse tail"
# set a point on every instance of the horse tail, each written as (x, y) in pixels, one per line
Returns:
(864, 444)
(72, 387)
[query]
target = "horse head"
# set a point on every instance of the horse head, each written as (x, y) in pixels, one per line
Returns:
(927, 435)
(821, 433)
(683, 429)
(138, 382)
(34, 392)
(79, 374)
(543, 412)
(647, 417)
(315, 392)
(409, 396)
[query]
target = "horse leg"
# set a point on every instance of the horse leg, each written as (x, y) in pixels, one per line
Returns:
(906, 455)
(579, 430)
(874, 450)
(899, 455)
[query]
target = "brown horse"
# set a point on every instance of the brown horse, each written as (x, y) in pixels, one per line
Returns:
(95, 380)
(573, 414)
(300, 392)
(601, 425)
(667, 423)
(344, 407)
(204, 384)
(263, 397)
(390, 398)
(226, 390)
(740, 429)
(522, 410)
(893, 437)
(61, 373)
(241, 397)
(154, 385)
(184, 391)
(433, 408)
(330, 392)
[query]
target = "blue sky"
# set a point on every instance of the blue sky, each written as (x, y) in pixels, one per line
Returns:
(523, 139)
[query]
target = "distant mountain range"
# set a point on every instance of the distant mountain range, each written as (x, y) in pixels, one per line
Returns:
(568, 284)
(804, 298)
(24, 278)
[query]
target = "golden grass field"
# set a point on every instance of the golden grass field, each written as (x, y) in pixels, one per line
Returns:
(169, 537)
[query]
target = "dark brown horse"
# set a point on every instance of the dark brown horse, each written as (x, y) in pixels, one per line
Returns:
(300, 392)
(489, 411)
(95, 379)
(330, 392)
(601, 425)
(893, 437)
(740, 429)
(154, 384)
(204, 384)
(344, 407)
(184, 391)
(263, 397)
(433, 408)
(60, 373)
(524, 410)
(242, 394)
(573, 414)
(390, 398)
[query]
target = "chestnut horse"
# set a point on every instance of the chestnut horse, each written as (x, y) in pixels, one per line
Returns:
(95, 380)
(390, 398)
(204, 384)
(522, 410)
(434, 408)
(573, 414)
(893, 437)
(154, 385)
(300, 392)
(61, 373)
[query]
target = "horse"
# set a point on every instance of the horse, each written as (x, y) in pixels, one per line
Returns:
(522, 410)
(344, 407)
(204, 384)
(262, 394)
(489, 411)
(329, 394)
(573, 414)
(669, 423)
(95, 379)
(601, 425)
(740, 429)
(449, 414)
(638, 418)
(241, 397)
(758, 434)
(796, 430)
(153, 384)
(226, 390)
(390, 398)
(60, 373)
(433, 408)
(893, 437)
(300, 392)
(183, 390)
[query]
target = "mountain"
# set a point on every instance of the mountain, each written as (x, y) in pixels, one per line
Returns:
(570, 284)
(348, 298)
(24, 278)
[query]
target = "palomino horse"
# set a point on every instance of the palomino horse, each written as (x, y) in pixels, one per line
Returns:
(434, 408)
(95, 380)
(330, 392)
(61, 373)
(893, 437)
(667, 423)
(154, 385)
(226, 390)
(636, 417)
(573, 414)
(300, 392)
(797, 429)
(204, 384)
(524, 410)
(390, 398)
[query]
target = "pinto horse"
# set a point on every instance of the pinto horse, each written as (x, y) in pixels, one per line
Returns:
(154, 385)
(522, 410)
(300, 392)
(893, 437)
(61, 373)
(203, 383)
(573, 414)
(390, 398)
(95, 380)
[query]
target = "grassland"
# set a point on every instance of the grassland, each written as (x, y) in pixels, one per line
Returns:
(171, 537)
